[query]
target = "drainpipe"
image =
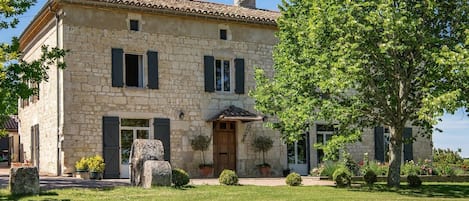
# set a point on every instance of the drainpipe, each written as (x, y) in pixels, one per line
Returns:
(59, 95)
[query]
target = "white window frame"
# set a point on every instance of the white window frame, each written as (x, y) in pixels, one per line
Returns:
(232, 73)
(142, 73)
(134, 132)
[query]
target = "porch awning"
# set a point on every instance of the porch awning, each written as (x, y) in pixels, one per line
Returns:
(233, 113)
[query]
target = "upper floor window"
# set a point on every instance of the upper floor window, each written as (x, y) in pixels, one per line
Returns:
(223, 34)
(134, 73)
(134, 25)
(222, 75)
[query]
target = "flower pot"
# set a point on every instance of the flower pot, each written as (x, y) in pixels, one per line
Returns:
(96, 175)
(264, 171)
(206, 171)
(82, 174)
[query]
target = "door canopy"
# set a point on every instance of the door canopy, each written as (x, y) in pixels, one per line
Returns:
(233, 113)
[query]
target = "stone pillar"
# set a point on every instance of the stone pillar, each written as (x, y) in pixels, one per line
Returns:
(156, 173)
(24, 181)
(245, 3)
(143, 150)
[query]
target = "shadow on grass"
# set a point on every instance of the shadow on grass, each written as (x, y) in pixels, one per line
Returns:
(428, 190)
(17, 197)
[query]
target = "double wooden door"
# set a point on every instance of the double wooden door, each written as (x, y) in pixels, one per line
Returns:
(224, 146)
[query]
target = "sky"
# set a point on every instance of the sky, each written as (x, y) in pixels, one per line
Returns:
(455, 127)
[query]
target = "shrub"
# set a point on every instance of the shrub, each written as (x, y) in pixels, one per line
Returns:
(348, 162)
(82, 164)
(410, 168)
(370, 177)
(414, 181)
(293, 179)
(342, 177)
(378, 168)
(447, 156)
(328, 168)
(179, 177)
(228, 177)
(96, 164)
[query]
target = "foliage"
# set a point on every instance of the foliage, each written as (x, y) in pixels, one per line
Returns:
(96, 163)
(201, 143)
(378, 168)
(328, 168)
(414, 181)
(360, 64)
(179, 177)
(349, 163)
(342, 177)
(262, 144)
(410, 168)
(17, 77)
(82, 164)
(293, 179)
(370, 177)
(447, 156)
(228, 177)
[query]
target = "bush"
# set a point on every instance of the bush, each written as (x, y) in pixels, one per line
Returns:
(228, 177)
(342, 177)
(81, 165)
(379, 169)
(180, 177)
(96, 164)
(414, 181)
(293, 179)
(350, 163)
(328, 168)
(410, 168)
(447, 156)
(370, 177)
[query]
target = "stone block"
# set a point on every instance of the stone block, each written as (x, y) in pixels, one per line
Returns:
(24, 181)
(143, 150)
(156, 173)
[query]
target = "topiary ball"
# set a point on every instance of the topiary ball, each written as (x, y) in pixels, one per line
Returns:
(342, 177)
(370, 177)
(414, 181)
(180, 177)
(293, 179)
(228, 177)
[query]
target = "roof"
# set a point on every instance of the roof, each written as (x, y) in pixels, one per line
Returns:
(11, 124)
(193, 7)
(236, 113)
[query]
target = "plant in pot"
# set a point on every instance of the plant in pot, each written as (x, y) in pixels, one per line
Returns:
(81, 168)
(263, 144)
(201, 143)
(96, 166)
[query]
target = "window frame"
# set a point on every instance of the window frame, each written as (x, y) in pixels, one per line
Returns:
(134, 130)
(231, 76)
(130, 24)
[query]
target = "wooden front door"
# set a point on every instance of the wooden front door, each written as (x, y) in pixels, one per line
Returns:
(224, 146)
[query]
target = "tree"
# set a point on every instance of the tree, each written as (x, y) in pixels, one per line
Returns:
(17, 75)
(360, 64)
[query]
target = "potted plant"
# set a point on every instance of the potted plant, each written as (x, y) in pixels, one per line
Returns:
(81, 168)
(201, 143)
(96, 167)
(263, 144)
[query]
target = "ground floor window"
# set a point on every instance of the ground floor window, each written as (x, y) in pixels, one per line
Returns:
(130, 130)
(324, 133)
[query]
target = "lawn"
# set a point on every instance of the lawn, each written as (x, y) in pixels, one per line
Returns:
(435, 191)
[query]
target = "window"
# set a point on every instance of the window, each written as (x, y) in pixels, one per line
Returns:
(222, 75)
(134, 74)
(134, 25)
(132, 129)
(387, 139)
(223, 34)
(324, 134)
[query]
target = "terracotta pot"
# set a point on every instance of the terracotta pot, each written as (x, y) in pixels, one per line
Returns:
(82, 174)
(206, 171)
(265, 171)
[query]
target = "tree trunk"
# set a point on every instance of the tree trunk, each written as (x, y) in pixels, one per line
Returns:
(395, 151)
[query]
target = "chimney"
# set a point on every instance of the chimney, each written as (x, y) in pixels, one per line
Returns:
(245, 3)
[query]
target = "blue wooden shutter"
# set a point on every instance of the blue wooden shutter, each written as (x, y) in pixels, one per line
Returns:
(239, 68)
(162, 133)
(379, 144)
(408, 150)
(152, 69)
(209, 73)
(111, 147)
(117, 67)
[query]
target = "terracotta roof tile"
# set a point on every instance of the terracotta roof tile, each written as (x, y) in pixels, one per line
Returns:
(11, 123)
(236, 113)
(197, 7)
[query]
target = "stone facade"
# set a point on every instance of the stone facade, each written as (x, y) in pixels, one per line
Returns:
(74, 101)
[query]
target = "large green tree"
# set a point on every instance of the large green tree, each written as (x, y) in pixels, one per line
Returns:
(17, 75)
(360, 64)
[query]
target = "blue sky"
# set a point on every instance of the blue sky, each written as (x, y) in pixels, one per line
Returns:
(455, 127)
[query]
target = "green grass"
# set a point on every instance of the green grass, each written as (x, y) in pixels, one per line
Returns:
(432, 191)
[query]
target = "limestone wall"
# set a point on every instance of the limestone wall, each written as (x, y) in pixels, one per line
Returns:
(44, 111)
(181, 44)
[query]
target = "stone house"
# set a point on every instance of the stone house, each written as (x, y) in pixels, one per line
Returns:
(163, 69)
